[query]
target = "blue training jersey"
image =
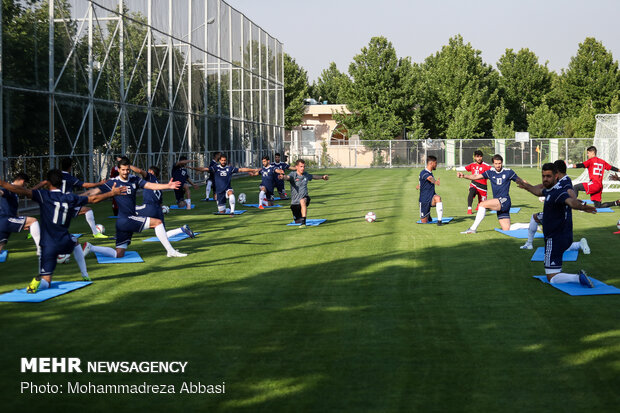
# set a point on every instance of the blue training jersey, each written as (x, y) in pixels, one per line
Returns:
(150, 196)
(179, 173)
(69, 182)
(269, 177)
(281, 165)
(557, 215)
(427, 188)
(212, 166)
(9, 202)
(126, 203)
(223, 176)
(500, 181)
(57, 210)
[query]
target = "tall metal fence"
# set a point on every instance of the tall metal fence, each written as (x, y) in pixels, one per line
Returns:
(449, 153)
(150, 79)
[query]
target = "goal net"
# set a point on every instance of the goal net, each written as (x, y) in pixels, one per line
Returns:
(607, 142)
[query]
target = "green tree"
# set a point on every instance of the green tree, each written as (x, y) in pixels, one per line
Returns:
(524, 82)
(330, 85)
(378, 96)
(592, 78)
(502, 128)
(543, 122)
(295, 91)
(458, 91)
(581, 125)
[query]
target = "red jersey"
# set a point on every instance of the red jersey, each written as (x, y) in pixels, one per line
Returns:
(596, 168)
(114, 172)
(477, 169)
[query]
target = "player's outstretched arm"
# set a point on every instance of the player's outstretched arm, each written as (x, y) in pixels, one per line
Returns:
(470, 177)
(534, 190)
(172, 184)
(19, 190)
(137, 170)
(40, 184)
(185, 162)
(89, 185)
(577, 204)
(323, 177)
(199, 168)
(192, 183)
(116, 190)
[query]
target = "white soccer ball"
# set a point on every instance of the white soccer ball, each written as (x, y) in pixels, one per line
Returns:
(165, 209)
(242, 198)
(370, 217)
(63, 258)
(100, 228)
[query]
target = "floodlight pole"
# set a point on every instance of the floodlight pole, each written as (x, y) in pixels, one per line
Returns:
(50, 82)
(2, 171)
(170, 88)
(121, 70)
(90, 92)
(149, 84)
(190, 129)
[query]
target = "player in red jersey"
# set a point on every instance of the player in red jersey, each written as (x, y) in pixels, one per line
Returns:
(596, 169)
(478, 187)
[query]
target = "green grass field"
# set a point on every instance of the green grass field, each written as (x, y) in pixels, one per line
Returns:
(344, 317)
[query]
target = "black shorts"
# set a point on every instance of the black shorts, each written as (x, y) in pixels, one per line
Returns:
(425, 209)
(151, 211)
(50, 251)
(554, 251)
(127, 226)
(10, 224)
(504, 211)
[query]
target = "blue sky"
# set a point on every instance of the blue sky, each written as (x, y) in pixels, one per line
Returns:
(317, 32)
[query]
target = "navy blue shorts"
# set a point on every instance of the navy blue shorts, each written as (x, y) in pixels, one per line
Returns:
(425, 209)
(10, 224)
(51, 250)
(554, 250)
(179, 194)
(221, 197)
(280, 185)
(127, 226)
(504, 210)
(150, 210)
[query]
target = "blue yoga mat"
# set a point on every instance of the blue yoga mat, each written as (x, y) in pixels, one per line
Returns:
(277, 198)
(576, 289)
(130, 257)
(57, 288)
(76, 235)
(513, 210)
(256, 206)
(444, 220)
(113, 217)
(207, 199)
(519, 233)
(238, 212)
(177, 207)
(598, 210)
(539, 255)
(310, 222)
(178, 237)
(4, 255)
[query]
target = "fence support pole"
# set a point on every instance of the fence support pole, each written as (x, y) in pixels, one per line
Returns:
(390, 153)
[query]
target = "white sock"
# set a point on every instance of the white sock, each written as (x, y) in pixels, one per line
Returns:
(519, 225)
(188, 203)
(479, 217)
(160, 231)
(232, 201)
(439, 208)
(78, 254)
(107, 251)
(261, 198)
(208, 190)
(174, 232)
(531, 230)
(575, 246)
(562, 278)
(35, 231)
(44, 285)
(221, 208)
(90, 219)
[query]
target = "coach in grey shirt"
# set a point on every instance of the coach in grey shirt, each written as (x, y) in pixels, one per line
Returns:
(299, 190)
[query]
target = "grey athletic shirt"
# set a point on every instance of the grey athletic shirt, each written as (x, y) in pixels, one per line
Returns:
(299, 186)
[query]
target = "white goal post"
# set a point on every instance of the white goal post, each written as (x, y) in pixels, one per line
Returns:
(607, 143)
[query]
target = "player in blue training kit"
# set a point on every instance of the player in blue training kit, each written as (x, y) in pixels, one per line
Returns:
(211, 176)
(152, 202)
(69, 182)
(283, 166)
(269, 180)
(10, 221)
(558, 224)
(500, 179)
(223, 176)
(129, 222)
(428, 197)
(57, 209)
(537, 218)
(179, 174)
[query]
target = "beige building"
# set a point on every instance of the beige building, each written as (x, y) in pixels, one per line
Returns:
(319, 134)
